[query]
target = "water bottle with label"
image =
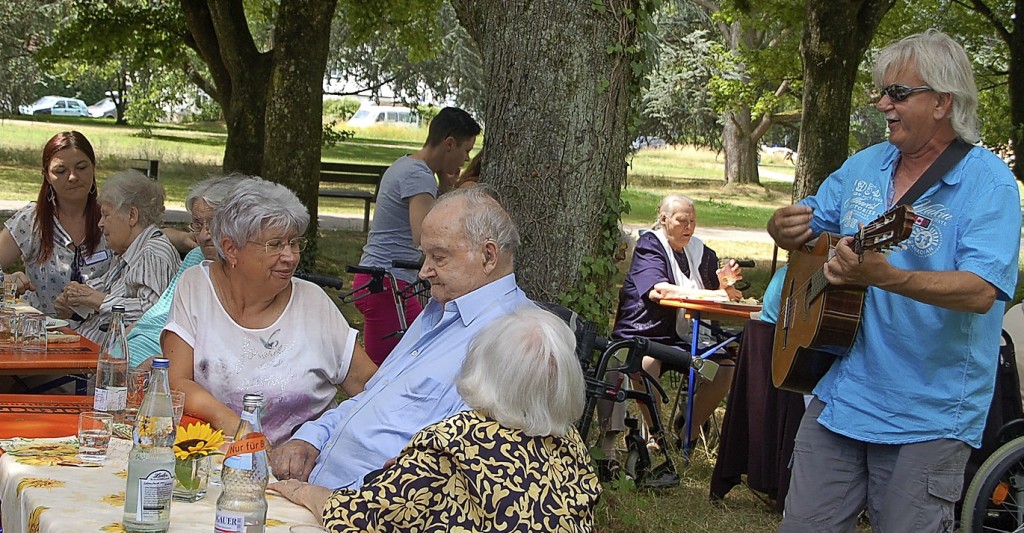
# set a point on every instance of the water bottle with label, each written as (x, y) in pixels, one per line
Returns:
(111, 380)
(147, 496)
(242, 505)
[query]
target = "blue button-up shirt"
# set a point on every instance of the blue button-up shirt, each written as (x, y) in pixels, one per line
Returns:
(415, 387)
(919, 372)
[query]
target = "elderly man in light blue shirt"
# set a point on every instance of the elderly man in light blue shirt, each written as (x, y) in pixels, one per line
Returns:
(469, 243)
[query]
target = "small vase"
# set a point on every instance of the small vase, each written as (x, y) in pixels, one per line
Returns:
(191, 477)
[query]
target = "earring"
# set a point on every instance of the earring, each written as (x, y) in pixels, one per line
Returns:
(92, 190)
(51, 197)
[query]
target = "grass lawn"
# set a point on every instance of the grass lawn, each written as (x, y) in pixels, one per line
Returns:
(189, 155)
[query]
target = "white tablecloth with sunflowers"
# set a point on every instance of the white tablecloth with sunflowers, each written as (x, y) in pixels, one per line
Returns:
(39, 494)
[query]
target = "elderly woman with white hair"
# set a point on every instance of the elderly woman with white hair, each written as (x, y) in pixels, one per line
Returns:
(130, 207)
(513, 463)
(243, 324)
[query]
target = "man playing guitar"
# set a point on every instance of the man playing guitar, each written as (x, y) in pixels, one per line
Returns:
(892, 420)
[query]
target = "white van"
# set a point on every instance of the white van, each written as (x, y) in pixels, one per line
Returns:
(371, 115)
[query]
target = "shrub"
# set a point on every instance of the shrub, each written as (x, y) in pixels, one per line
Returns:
(341, 109)
(332, 136)
(427, 113)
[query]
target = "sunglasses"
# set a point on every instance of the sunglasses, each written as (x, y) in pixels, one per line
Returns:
(897, 92)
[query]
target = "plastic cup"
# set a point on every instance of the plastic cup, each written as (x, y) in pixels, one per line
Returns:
(94, 430)
(138, 382)
(178, 403)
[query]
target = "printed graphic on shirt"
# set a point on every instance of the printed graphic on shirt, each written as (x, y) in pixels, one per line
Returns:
(932, 223)
(862, 207)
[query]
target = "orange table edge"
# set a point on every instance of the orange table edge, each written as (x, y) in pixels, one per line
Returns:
(60, 358)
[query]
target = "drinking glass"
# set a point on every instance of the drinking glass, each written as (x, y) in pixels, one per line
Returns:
(94, 430)
(8, 329)
(138, 382)
(218, 460)
(33, 334)
(178, 403)
(10, 292)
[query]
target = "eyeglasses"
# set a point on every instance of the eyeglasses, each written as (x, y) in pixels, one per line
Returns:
(897, 92)
(197, 226)
(276, 246)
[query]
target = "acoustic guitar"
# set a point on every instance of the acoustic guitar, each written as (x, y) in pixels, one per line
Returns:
(817, 320)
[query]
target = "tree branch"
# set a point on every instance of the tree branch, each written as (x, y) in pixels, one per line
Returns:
(980, 7)
(373, 87)
(204, 37)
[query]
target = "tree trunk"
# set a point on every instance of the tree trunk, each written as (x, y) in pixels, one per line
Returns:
(836, 34)
(241, 73)
(1015, 42)
(557, 111)
(740, 148)
(295, 102)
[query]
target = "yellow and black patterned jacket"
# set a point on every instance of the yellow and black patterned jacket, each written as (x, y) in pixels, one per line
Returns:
(468, 473)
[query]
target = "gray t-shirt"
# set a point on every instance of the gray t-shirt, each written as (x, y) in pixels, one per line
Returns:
(390, 231)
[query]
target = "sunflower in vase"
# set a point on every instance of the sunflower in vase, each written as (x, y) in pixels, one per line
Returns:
(192, 450)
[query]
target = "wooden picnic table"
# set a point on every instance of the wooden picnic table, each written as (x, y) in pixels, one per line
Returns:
(60, 358)
(41, 415)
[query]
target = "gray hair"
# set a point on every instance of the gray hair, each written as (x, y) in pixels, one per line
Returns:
(670, 204)
(131, 188)
(533, 383)
(943, 65)
(485, 219)
(257, 205)
(214, 190)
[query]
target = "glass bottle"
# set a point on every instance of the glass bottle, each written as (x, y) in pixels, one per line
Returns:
(242, 505)
(147, 501)
(111, 379)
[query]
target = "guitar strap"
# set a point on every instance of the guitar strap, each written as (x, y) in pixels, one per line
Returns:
(946, 161)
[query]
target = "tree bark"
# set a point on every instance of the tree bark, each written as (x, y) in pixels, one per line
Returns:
(557, 110)
(836, 35)
(740, 147)
(241, 73)
(1013, 36)
(294, 107)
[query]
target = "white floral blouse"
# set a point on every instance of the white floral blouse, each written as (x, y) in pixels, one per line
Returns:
(52, 276)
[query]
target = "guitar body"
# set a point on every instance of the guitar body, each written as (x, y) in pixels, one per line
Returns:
(813, 326)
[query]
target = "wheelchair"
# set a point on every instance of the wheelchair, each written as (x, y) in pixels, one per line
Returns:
(994, 502)
(599, 356)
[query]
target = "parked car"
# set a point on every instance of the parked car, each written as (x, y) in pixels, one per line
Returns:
(371, 115)
(105, 108)
(648, 141)
(56, 105)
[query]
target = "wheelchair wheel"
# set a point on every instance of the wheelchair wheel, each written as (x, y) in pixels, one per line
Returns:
(638, 460)
(995, 500)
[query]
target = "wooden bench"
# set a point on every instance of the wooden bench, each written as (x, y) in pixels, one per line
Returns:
(352, 174)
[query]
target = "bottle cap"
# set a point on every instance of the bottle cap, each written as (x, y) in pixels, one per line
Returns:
(161, 362)
(117, 309)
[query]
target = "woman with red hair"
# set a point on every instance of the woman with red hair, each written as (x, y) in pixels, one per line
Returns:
(58, 237)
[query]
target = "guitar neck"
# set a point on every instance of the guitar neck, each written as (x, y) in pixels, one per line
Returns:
(816, 284)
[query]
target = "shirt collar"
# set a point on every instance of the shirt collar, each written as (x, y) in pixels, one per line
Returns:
(473, 304)
(892, 157)
(135, 248)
